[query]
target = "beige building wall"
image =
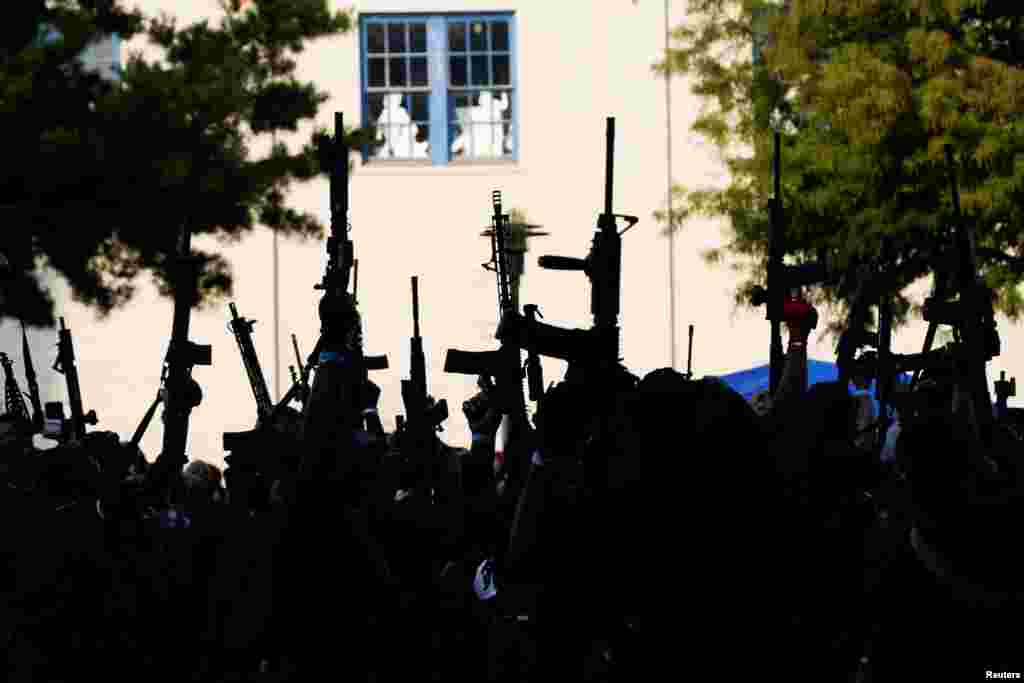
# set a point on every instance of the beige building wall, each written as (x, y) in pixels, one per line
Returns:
(577, 63)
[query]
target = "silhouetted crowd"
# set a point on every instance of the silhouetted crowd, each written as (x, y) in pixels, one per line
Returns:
(638, 529)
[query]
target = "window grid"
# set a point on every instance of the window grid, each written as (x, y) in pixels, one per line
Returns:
(476, 47)
(489, 61)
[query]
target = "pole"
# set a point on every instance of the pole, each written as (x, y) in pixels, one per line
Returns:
(671, 222)
(277, 328)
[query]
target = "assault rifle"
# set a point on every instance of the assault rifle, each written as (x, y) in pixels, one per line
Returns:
(14, 401)
(598, 346)
(781, 279)
(340, 252)
(183, 393)
(340, 326)
(33, 385)
(73, 430)
(423, 419)
(299, 390)
(148, 417)
(972, 316)
(504, 363)
(242, 329)
(302, 380)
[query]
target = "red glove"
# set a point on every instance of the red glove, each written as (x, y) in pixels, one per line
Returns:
(800, 317)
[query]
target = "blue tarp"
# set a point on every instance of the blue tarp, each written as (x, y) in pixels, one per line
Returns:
(749, 382)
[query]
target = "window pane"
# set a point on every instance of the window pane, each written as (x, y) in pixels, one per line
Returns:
(499, 36)
(420, 106)
(478, 36)
(457, 67)
(502, 70)
(477, 130)
(375, 37)
(460, 113)
(480, 71)
(418, 37)
(457, 36)
(419, 70)
(396, 37)
(392, 108)
(396, 71)
(375, 107)
(376, 73)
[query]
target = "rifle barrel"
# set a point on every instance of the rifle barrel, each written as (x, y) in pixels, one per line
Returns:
(339, 173)
(777, 165)
(689, 355)
(415, 306)
(609, 163)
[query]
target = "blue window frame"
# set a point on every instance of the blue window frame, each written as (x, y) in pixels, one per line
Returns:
(440, 88)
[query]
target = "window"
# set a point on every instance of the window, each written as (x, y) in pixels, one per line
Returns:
(439, 88)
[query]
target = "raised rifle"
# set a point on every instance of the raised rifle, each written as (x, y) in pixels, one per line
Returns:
(781, 278)
(303, 372)
(65, 365)
(242, 329)
(939, 293)
(38, 416)
(340, 337)
(972, 316)
(423, 420)
(299, 390)
(148, 417)
(14, 401)
(504, 363)
(603, 267)
(182, 391)
(340, 250)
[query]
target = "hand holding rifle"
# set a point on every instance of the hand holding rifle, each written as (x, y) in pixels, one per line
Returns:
(800, 318)
(482, 411)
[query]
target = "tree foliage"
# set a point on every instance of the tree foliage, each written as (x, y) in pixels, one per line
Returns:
(100, 176)
(866, 92)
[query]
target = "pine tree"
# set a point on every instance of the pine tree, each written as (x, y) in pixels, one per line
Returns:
(98, 175)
